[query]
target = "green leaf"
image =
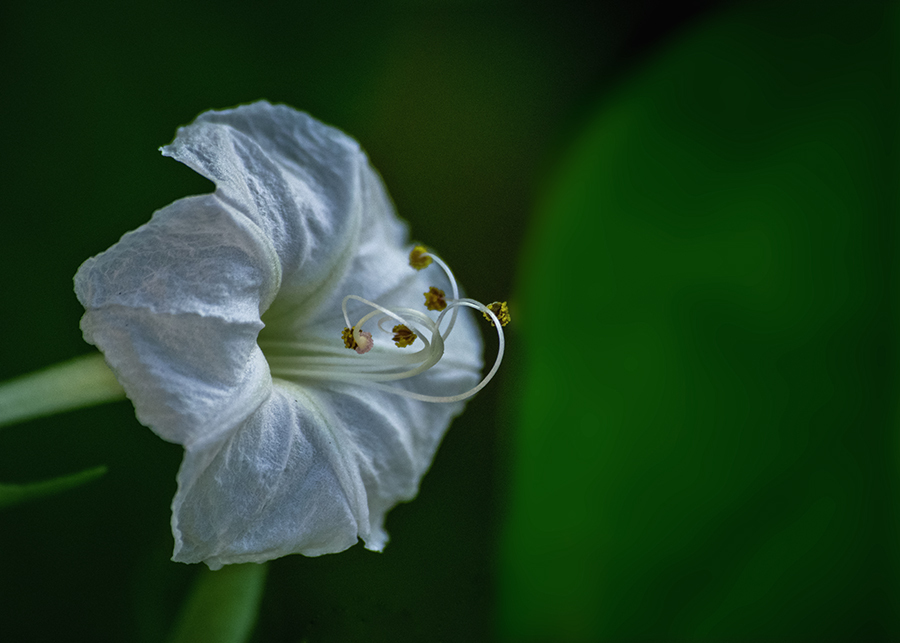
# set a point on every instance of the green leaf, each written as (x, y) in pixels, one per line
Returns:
(15, 494)
(222, 606)
(707, 429)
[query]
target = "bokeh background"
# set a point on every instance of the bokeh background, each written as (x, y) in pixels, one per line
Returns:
(691, 208)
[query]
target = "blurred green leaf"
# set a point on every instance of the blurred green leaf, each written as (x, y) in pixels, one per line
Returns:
(16, 494)
(222, 606)
(706, 444)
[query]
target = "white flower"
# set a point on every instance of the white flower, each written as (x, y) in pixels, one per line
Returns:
(223, 316)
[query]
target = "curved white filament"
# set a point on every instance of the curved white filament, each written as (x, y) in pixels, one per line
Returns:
(327, 360)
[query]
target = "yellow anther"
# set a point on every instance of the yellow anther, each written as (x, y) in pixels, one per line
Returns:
(435, 299)
(417, 259)
(403, 336)
(500, 309)
(360, 341)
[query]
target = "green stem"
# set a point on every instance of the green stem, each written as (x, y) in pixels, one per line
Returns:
(83, 381)
(222, 606)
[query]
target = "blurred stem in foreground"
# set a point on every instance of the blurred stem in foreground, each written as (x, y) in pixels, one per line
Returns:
(222, 606)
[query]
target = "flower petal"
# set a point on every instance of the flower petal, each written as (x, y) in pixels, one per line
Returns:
(279, 484)
(288, 204)
(311, 471)
(373, 264)
(294, 177)
(396, 437)
(299, 219)
(174, 306)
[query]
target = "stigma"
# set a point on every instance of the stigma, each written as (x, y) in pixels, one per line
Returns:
(358, 340)
(418, 340)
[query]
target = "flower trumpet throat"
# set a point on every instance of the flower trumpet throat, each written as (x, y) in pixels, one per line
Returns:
(385, 365)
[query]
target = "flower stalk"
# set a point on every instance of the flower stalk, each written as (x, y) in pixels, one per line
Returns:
(74, 384)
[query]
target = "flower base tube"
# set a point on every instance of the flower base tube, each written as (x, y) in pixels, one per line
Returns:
(77, 383)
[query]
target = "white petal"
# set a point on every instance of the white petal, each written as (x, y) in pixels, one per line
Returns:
(374, 263)
(396, 437)
(198, 255)
(310, 472)
(296, 178)
(281, 483)
(288, 204)
(174, 306)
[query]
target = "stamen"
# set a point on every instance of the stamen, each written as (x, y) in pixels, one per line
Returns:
(454, 289)
(419, 258)
(435, 299)
(316, 359)
(403, 336)
(470, 303)
(501, 311)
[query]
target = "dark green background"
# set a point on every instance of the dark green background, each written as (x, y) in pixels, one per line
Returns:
(691, 208)
(707, 443)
